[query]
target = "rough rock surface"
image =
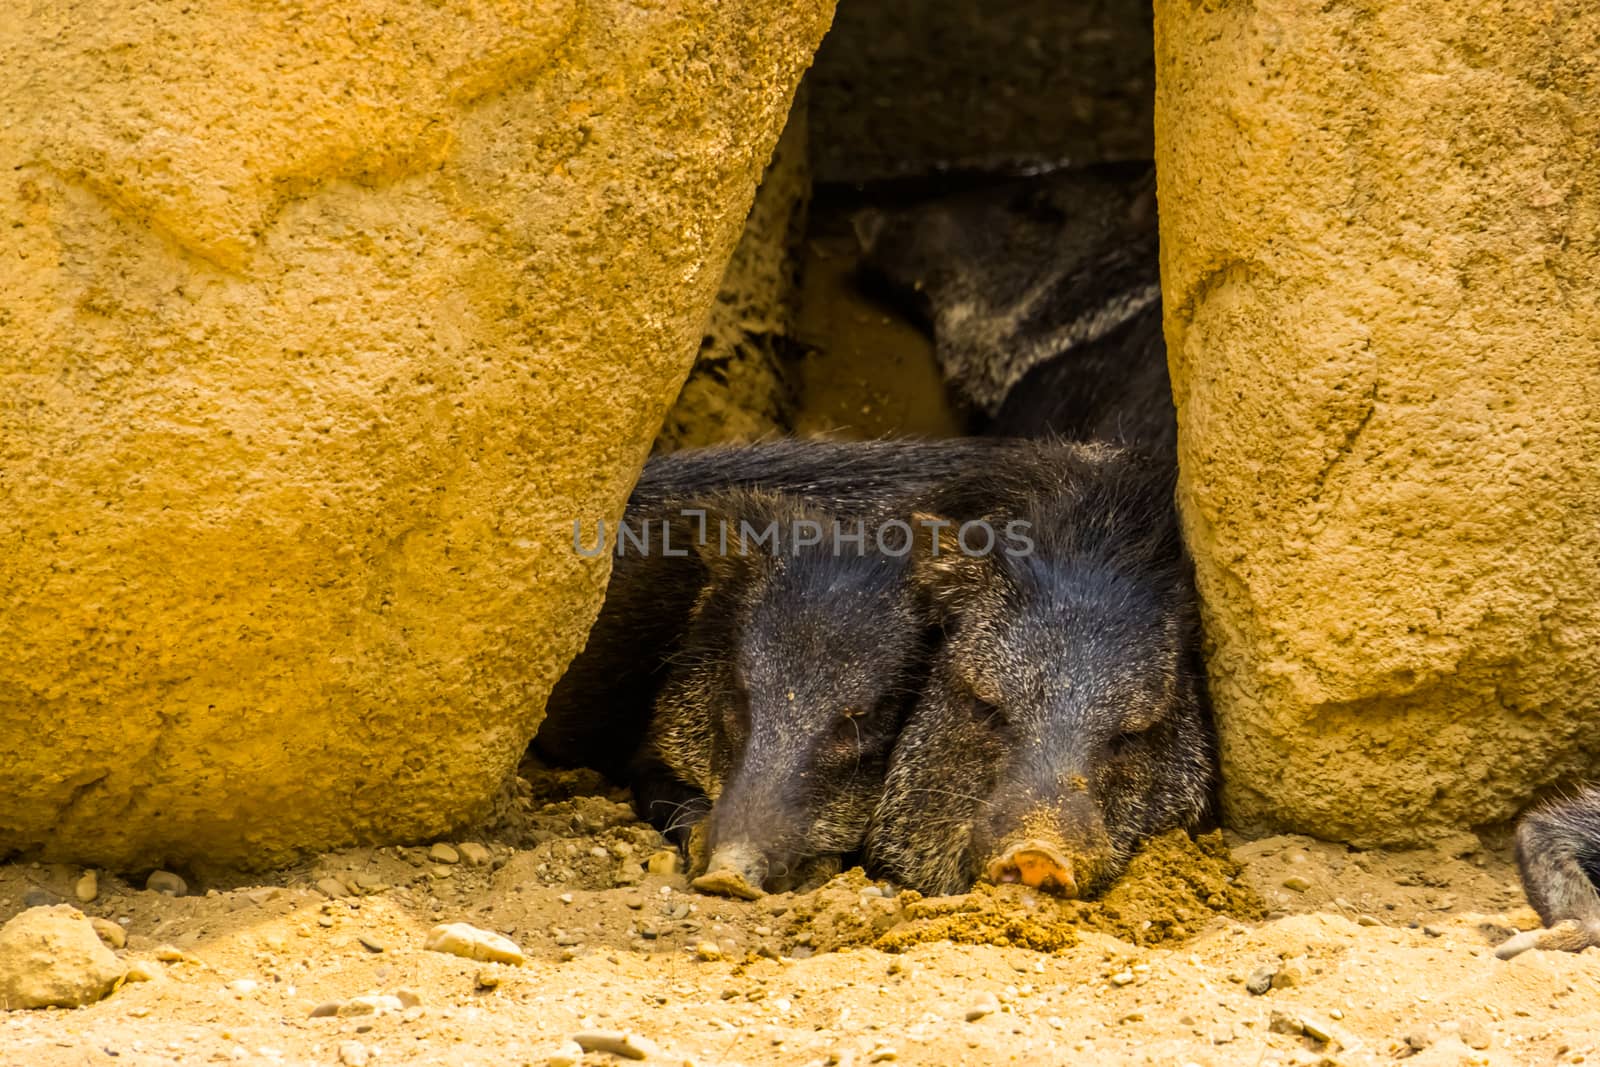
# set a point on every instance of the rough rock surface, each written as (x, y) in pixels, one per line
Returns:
(52, 958)
(741, 386)
(1380, 264)
(322, 324)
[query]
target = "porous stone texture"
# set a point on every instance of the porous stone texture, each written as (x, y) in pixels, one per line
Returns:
(1379, 242)
(323, 322)
(741, 387)
(52, 958)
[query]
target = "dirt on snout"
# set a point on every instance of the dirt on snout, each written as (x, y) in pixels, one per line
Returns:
(1215, 952)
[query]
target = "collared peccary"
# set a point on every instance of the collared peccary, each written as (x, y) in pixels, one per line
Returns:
(597, 712)
(803, 652)
(757, 664)
(1044, 299)
(1064, 717)
(1558, 854)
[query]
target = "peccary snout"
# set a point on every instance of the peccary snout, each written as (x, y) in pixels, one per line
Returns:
(1059, 847)
(1036, 865)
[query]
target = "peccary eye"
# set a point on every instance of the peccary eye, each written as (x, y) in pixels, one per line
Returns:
(987, 714)
(847, 728)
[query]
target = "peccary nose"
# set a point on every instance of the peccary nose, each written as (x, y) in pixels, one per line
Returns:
(1036, 865)
(734, 871)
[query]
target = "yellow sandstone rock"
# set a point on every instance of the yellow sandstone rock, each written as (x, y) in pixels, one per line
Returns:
(1380, 231)
(322, 323)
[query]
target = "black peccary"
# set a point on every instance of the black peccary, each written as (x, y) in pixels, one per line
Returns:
(1044, 298)
(1558, 854)
(598, 711)
(789, 688)
(1064, 717)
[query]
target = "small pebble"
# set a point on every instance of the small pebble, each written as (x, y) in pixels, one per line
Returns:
(332, 887)
(629, 1046)
(166, 882)
(87, 887)
(484, 981)
(1122, 978)
(1260, 979)
(242, 986)
(1289, 975)
(111, 933)
(707, 951)
(142, 971)
(882, 1054)
(370, 943)
(1284, 1023)
(567, 1054)
(469, 942)
(443, 853)
(1368, 920)
(1296, 883)
(474, 854)
(378, 1004)
(1316, 1029)
(986, 1005)
(354, 1054)
(1474, 1034)
(664, 862)
(1417, 1040)
(38, 898)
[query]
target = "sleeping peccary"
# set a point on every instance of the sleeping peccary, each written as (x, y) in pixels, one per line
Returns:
(1044, 299)
(597, 713)
(800, 658)
(1064, 719)
(1558, 854)
(778, 671)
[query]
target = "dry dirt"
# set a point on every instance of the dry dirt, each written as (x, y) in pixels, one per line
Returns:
(1373, 956)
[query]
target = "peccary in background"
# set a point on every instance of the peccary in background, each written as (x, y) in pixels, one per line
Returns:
(1044, 299)
(1558, 853)
(801, 658)
(1063, 720)
(597, 713)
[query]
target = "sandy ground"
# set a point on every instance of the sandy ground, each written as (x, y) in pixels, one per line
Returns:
(1365, 957)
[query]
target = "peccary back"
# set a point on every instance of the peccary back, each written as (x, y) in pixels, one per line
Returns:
(1044, 300)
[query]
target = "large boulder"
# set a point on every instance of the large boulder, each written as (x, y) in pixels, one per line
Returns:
(1381, 262)
(322, 325)
(50, 957)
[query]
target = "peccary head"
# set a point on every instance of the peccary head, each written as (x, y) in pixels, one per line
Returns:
(1063, 720)
(1016, 274)
(800, 661)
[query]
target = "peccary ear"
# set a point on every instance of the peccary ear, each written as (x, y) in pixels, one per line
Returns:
(951, 576)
